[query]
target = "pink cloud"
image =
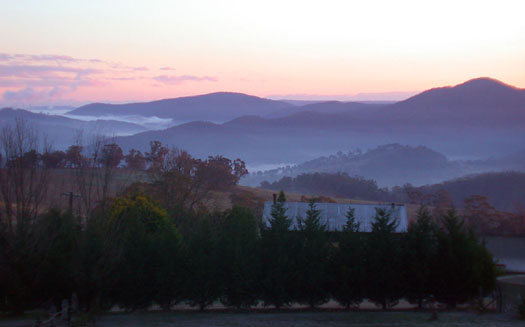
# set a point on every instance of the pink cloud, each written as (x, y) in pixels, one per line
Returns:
(38, 70)
(53, 58)
(31, 95)
(5, 57)
(123, 78)
(53, 78)
(174, 79)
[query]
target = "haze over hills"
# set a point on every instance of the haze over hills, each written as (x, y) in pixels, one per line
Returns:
(391, 165)
(477, 119)
(61, 130)
(331, 107)
(218, 107)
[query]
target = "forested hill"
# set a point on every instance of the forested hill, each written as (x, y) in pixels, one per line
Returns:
(393, 164)
(389, 165)
(332, 185)
(504, 190)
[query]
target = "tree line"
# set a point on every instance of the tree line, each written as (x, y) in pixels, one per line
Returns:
(137, 254)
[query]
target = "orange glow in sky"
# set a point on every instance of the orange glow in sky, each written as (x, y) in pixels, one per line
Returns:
(54, 52)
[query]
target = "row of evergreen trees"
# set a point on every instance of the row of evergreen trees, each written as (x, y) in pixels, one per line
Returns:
(436, 260)
(135, 255)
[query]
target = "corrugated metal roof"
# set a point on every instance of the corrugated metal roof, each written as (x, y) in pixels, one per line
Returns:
(334, 214)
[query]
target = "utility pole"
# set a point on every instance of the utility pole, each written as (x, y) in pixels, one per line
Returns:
(70, 195)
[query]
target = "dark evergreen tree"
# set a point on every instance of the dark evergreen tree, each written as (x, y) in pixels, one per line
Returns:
(485, 269)
(347, 265)
(36, 261)
(351, 224)
(204, 285)
(384, 266)
(277, 257)
(170, 275)
(420, 249)
(57, 237)
(239, 258)
(462, 265)
(150, 246)
(312, 259)
(98, 255)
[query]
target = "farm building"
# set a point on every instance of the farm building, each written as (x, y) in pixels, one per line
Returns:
(334, 214)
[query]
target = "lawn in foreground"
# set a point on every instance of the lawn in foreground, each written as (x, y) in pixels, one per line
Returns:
(306, 319)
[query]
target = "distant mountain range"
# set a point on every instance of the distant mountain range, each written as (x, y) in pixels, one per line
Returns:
(218, 107)
(479, 118)
(61, 130)
(478, 103)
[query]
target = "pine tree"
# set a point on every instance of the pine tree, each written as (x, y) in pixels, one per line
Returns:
(277, 256)
(351, 224)
(279, 221)
(312, 280)
(239, 258)
(462, 265)
(384, 264)
(204, 285)
(348, 272)
(420, 249)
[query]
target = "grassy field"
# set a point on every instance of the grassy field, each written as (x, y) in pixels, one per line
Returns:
(291, 319)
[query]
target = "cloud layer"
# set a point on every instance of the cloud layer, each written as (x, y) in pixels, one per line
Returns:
(174, 79)
(28, 79)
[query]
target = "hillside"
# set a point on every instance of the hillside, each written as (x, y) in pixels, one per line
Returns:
(221, 106)
(389, 165)
(505, 190)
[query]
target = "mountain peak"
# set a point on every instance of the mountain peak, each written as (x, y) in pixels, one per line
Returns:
(481, 92)
(483, 83)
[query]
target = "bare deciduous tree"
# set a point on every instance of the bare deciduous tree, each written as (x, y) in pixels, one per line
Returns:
(95, 168)
(23, 180)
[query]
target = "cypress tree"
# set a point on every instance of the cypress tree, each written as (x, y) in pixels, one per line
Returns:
(239, 259)
(420, 249)
(348, 272)
(277, 255)
(462, 265)
(312, 279)
(204, 284)
(384, 264)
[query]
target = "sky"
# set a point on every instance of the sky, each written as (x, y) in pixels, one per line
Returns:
(73, 52)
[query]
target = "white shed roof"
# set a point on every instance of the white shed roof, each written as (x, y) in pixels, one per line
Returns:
(334, 214)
